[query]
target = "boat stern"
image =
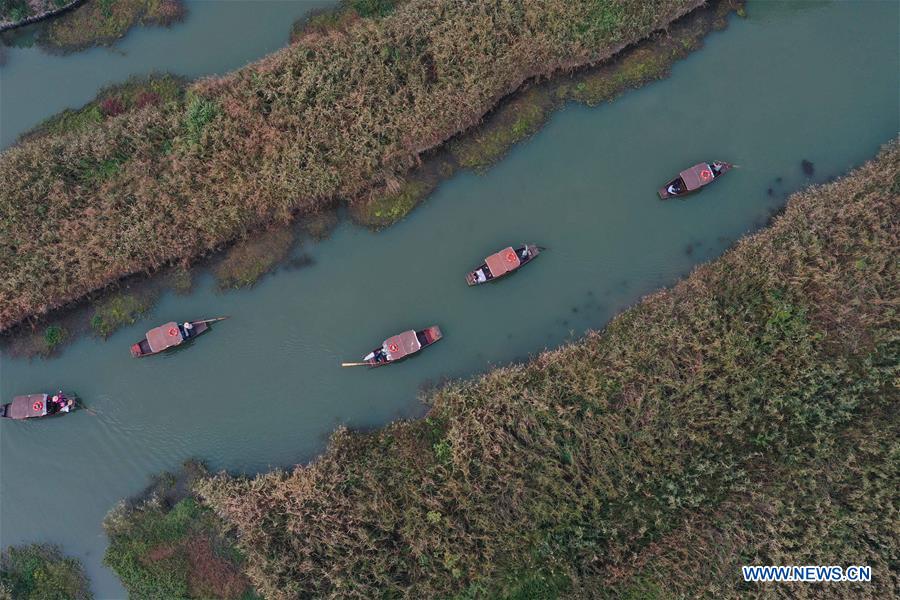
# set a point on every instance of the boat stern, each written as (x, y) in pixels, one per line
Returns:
(433, 334)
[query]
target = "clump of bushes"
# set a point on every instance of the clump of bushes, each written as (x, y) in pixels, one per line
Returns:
(14, 12)
(54, 335)
(164, 544)
(247, 261)
(516, 120)
(102, 22)
(136, 93)
(735, 412)
(118, 310)
(327, 118)
(388, 205)
(41, 572)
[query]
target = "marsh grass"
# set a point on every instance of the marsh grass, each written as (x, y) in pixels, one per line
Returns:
(247, 261)
(832, 503)
(728, 420)
(516, 120)
(320, 225)
(117, 310)
(335, 115)
(102, 22)
(522, 114)
(389, 205)
(635, 66)
(134, 94)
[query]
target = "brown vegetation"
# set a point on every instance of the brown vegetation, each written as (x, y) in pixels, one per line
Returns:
(326, 118)
(523, 113)
(102, 22)
(720, 412)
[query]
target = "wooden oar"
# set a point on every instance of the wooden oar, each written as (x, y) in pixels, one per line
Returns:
(214, 320)
(79, 403)
(355, 364)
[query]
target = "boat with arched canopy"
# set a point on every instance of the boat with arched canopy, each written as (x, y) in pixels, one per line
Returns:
(36, 406)
(398, 347)
(503, 263)
(691, 180)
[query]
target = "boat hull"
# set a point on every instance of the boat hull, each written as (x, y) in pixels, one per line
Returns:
(35, 406)
(426, 337)
(533, 252)
(142, 348)
(664, 190)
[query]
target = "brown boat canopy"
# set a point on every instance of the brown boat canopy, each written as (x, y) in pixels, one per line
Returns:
(164, 336)
(697, 176)
(402, 345)
(503, 262)
(24, 407)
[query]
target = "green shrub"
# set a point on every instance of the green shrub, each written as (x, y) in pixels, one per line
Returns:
(371, 8)
(199, 113)
(116, 311)
(41, 572)
(166, 545)
(53, 336)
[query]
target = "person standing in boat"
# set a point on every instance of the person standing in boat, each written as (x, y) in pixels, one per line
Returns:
(674, 188)
(716, 169)
(186, 329)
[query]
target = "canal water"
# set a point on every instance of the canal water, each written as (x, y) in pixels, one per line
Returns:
(215, 37)
(793, 82)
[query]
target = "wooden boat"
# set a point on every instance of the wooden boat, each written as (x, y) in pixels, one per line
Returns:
(36, 406)
(170, 335)
(691, 180)
(503, 263)
(399, 347)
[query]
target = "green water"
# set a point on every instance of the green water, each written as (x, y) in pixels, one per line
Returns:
(215, 37)
(792, 82)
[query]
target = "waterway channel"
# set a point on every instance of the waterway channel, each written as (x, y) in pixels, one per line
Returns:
(794, 81)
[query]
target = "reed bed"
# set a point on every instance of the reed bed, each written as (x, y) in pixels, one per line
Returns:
(339, 112)
(746, 416)
(103, 22)
(17, 11)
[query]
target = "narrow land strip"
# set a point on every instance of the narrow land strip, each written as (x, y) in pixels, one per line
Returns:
(323, 119)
